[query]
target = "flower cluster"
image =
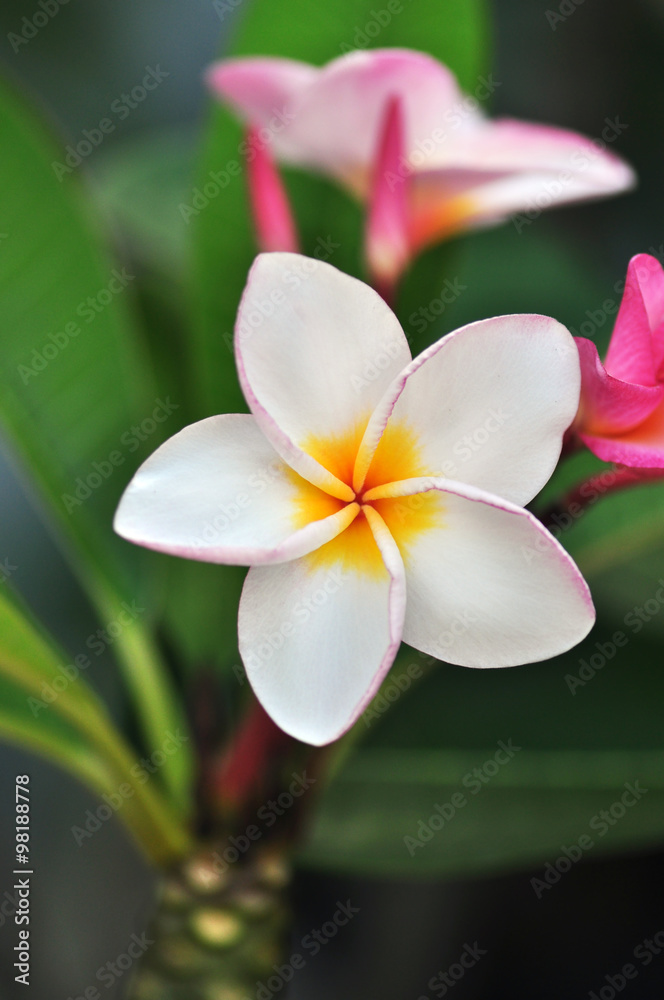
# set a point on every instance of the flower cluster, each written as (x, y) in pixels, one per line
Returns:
(378, 508)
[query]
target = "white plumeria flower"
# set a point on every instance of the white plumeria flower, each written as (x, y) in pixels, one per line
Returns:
(374, 497)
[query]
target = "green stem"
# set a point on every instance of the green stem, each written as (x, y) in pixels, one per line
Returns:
(153, 696)
(218, 928)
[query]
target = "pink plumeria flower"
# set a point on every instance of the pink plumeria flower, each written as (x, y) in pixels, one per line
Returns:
(374, 497)
(393, 127)
(621, 414)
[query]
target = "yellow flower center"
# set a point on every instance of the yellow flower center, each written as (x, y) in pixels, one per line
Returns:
(397, 457)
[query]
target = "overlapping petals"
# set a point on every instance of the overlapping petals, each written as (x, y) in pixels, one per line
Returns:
(393, 127)
(304, 364)
(330, 119)
(479, 417)
(178, 504)
(621, 413)
(374, 497)
(474, 598)
(318, 637)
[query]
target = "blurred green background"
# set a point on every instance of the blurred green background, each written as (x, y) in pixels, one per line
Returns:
(601, 61)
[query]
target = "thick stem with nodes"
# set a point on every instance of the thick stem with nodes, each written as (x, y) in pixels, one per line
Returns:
(218, 930)
(222, 919)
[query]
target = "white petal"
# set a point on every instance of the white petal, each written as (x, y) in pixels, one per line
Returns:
(318, 635)
(487, 585)
(316, 350)
(487, 404)
(218, 492)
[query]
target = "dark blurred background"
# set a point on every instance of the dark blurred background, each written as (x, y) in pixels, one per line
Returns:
(575, 63)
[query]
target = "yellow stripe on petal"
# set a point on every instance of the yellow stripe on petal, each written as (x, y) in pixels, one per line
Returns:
(398, 456)
(337, 452)
(310, 503)
(353, 551)
(409, 517)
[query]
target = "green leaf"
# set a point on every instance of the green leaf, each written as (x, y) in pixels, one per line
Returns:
(73, 379)
(330, 223)
(139, 184)
(52, 738)
(59, 716)
(376, 818)
(578, 749)
(75, 389)
(616, 539)
(61, 746)
(454, 31)
(615, 530)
